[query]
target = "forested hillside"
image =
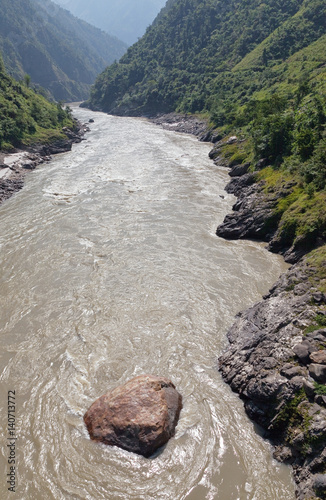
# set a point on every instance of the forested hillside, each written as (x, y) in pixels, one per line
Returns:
(58, 51)
(26, 117)
(200, 53)
(126, 19)
(255, 69)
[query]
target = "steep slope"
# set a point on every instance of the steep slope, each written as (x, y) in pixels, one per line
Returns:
(126, 19)
(27, 117)
(58, 51)
(37, 127)
(199, 54)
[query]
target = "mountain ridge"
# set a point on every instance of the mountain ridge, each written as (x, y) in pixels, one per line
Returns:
(184, 58)
(59, 52)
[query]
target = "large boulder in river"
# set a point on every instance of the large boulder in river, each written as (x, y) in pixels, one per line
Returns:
(139, 416)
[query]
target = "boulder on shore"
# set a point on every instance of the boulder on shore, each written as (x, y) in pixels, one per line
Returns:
(139, 416)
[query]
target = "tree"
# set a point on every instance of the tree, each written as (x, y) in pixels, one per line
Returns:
(27, 80)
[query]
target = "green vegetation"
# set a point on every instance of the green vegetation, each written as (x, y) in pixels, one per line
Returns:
(319, 322)
(303, 218)
(292, 416)
(320, 389)
(210, 55)
(26, 117)
(293, 421)
(317, 262)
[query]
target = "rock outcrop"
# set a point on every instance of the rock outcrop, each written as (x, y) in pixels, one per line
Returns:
(188, 124)
(276, 362)
(139, 416)
(255, 214)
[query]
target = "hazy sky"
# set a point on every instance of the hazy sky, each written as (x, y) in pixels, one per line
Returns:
(126, 19)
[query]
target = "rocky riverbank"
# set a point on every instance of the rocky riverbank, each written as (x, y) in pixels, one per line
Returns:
(276, 360)
(255, 215)
(188, 124)
(14, 166)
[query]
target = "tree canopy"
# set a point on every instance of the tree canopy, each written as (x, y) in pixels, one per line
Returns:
(27, 117)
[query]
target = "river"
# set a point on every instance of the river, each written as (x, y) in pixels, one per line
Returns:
(110, 268)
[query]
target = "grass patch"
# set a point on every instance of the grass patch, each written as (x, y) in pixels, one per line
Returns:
(43, 136)
(290, 415)
(302, 217)
(237, 153)
(320, 389)
(294, 419)
(275, 179)
(317, 262)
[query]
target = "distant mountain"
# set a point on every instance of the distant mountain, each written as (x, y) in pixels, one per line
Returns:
(61, 53)
(210, 55)
(126, 19)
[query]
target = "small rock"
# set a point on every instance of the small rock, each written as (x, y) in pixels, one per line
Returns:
(283, 454)
(309, 388)
(268, 363)
(319, 483)
(319, 297)
(298, 438)
(139, 416)
(261, 163)
(239, 170)
(318, 357)
(214, 153)
(232, 139)
(215, 138)
(264, 389)
(320, 399)
(301, 288)
(297, 383)
(311, 336)
(292, 372)
(318, 372)
(302, 351)
(29, 165)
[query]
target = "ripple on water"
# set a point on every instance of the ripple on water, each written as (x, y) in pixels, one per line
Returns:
(110, 268)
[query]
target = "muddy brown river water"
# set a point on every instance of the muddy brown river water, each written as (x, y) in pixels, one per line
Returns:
(110, 268)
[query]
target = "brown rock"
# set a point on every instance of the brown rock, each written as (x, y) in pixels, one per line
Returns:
(319, 357)
(139, 416)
